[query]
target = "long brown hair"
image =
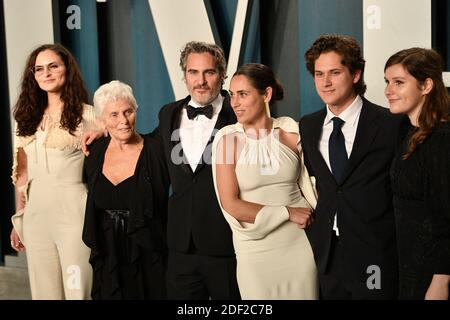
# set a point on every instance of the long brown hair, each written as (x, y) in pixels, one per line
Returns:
(32, 101)
(425, 64)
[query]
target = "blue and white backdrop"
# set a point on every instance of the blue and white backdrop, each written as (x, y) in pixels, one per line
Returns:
(139, 41)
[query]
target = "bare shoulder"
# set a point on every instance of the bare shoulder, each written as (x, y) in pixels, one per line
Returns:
(288, 132)
(287, 124)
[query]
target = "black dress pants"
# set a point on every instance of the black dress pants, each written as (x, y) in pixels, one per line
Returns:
(339, 284)
(192, 276)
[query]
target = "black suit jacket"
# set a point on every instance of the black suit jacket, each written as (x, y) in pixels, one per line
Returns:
(363, 201)
(193, 211)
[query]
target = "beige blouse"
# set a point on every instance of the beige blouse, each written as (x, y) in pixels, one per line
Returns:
(56, 137)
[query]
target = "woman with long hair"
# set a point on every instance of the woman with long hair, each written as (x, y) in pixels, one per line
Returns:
(420, 173)
(51, 114)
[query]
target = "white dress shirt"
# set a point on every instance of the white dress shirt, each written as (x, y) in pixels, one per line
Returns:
(195, 133)
(351, 118)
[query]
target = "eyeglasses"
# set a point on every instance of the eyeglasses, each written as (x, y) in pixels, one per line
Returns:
(52, 67)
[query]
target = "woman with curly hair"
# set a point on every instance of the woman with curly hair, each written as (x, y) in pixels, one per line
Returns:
(51, 114)
(420, 173)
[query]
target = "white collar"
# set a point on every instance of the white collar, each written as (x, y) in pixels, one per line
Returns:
(349, 115)
(216, 103)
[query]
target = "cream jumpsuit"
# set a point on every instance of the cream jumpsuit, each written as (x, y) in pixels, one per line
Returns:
(58, 260)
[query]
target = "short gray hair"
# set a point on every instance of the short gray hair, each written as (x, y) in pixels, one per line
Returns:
(112, 91)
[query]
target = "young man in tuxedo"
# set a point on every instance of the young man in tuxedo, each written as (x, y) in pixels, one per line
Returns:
(348, 147)
(201, 262)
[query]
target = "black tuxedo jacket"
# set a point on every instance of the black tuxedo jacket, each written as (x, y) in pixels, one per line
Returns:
(193, 210)
(363, 201)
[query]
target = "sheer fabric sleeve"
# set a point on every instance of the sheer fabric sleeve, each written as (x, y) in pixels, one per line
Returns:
(18, 142)
(16, 146)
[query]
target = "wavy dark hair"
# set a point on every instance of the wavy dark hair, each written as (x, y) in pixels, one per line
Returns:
(32, 101)
(424, 64)
(347, 47)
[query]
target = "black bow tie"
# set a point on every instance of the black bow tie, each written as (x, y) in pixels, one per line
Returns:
(193, 112)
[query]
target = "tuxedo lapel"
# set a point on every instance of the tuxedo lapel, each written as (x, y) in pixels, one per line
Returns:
(226, 117)
(315, 156)
(366, 132)
(175, 136)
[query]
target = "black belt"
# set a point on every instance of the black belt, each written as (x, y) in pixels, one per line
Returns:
(119, 219)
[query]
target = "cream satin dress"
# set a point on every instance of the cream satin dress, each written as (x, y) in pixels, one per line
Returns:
(274, 256)
(52, 221)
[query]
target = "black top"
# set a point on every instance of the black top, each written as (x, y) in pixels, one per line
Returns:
(118, 275)
(110, 196)
(128, 262)
(421, 186)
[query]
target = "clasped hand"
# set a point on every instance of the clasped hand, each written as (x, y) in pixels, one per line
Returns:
(303, 217)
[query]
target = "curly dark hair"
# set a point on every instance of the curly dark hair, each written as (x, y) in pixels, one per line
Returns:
(345, 46)
(32, 101)
(424, 64)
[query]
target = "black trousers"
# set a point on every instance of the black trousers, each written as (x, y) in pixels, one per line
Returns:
(191, 276)
(337, 284)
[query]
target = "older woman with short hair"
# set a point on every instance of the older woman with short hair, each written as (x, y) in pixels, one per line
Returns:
(125, 219)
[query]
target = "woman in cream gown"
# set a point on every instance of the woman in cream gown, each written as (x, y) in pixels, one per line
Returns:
(51, 115)
(265, 192)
